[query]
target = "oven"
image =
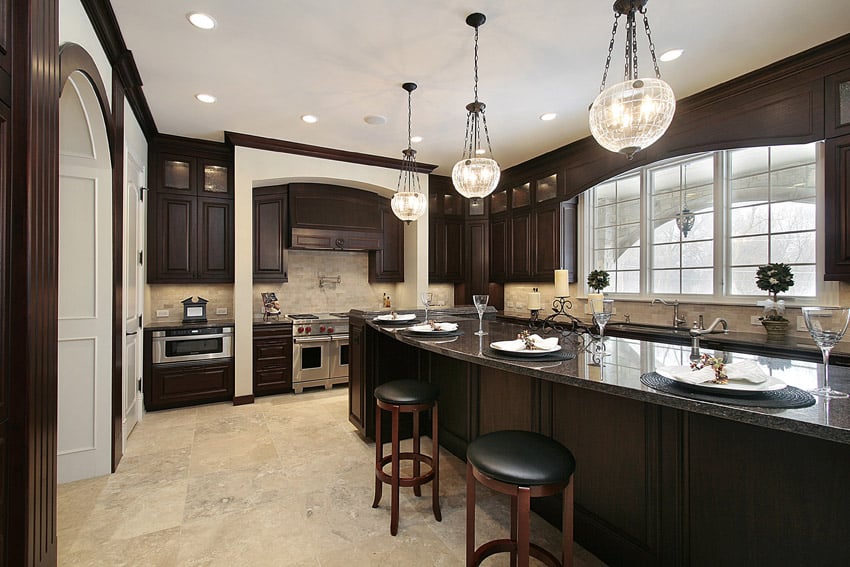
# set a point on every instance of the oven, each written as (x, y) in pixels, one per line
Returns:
(319, 350)
(191, 344)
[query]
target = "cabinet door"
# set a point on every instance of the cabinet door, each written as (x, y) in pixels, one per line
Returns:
(452, 250)
(215, 240)
(272, 363)
(476, 253)
(837, 197)
(387, 264)
(547, 229)
(172, 241)
(520, 248)
(356, 388)
(435, 238)
(176, 173)
(174, 385)
(838, 104)
(215, 179)
(499, 249)
(270, 235)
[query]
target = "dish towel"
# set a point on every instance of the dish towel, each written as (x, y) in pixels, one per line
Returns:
(744, 371)
(538, 341)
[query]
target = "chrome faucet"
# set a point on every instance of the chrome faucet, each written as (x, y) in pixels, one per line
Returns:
(697, 331)
(675, 305)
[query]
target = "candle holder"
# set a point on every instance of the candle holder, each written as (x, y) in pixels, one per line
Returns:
(559, 308)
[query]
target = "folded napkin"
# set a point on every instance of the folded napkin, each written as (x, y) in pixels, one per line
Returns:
(744, 371)
(538, 341)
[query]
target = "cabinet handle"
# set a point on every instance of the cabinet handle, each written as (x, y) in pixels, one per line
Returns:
(339, 242)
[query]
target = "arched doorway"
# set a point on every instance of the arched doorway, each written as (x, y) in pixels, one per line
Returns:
(85, 284)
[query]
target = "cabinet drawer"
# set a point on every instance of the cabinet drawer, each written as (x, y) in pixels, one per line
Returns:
(267, 351)
(174, 385)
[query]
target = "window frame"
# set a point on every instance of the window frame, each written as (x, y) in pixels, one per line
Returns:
(826, 293)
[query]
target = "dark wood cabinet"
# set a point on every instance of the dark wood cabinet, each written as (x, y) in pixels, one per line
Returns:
(837, 198)
(499, 248)
(547, 241)
(188, 383)
(445, 232)
(837, 104)
(477, 257)
(272, 359)
(356, 374)
(270, 230)
(521, 246)
(329, 217)
(190, 215)
(387, 264)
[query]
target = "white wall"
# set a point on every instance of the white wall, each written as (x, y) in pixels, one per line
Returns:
(255, 168)
(75, 27)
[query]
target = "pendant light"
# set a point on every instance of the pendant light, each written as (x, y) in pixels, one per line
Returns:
(685, 219)
(409, 203)
(632, 115)
(475, 176)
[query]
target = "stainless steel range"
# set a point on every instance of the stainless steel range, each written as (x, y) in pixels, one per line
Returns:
(319, 350)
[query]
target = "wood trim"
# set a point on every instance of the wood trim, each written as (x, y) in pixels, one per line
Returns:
(73, 57)
(243, 400)
(108, 31)
(32, 322)
(286, 147)
(117, 272)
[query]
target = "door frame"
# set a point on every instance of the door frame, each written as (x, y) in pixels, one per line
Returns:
(73, 57)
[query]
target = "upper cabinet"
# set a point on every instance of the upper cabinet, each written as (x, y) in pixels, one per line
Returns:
(190, 213)
(445, 231)
(270, 233)
(387, 264)
(329, 217)
(837, 101)
(526, 240)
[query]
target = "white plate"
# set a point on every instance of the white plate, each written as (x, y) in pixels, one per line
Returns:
(437, 329)
(398, 317)
(506, 347)
(733, 386)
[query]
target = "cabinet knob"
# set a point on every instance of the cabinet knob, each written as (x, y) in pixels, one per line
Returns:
(339, 242)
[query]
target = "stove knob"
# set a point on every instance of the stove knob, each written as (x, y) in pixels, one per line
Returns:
(330, 329)
(300, 330)
(308, 329)
(322, 329)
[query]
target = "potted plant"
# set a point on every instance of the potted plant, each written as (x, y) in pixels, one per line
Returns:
(774, 278)
(598, 280)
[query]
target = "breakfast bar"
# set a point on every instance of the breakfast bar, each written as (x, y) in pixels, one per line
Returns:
(661, 479)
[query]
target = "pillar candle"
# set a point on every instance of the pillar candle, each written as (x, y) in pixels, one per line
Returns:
(534, 300)
(562, 286)
(595, 301)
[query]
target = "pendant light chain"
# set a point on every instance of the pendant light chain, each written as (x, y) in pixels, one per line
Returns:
(651, 44)
(610, 51)
(475, 88)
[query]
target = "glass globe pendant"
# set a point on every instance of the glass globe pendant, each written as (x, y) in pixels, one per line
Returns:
(408, 203)
(632, 115)
(475, 176)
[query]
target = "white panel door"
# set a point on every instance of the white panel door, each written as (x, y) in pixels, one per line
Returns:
(85, 286)
(132, 367)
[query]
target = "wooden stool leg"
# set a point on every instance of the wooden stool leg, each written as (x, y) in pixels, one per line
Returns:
(379, 455)
(417, 490)
(567, 527)
(395, 474)
(523, 525)
(435, 462)
(514, 527)
(470, 517)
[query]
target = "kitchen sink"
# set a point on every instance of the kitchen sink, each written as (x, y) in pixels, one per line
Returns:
(663, 333)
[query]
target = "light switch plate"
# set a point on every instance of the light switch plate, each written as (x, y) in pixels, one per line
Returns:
(162, 312)
(221, 310)
(754, 320)
(801, 324)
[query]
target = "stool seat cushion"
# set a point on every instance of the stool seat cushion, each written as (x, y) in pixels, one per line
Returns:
(407, 392)
(521, 457)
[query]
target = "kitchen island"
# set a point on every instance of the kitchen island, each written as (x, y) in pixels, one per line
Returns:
(661, 479)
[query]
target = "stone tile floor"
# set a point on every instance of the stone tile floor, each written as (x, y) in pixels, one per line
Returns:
(285, 481)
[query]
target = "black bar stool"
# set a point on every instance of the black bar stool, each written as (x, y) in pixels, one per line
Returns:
(406, 396)
(523, 465)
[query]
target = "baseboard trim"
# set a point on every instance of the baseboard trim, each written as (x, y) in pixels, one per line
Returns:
(243, 400)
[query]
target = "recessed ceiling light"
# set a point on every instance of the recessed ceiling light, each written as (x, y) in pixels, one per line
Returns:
(204, 97)
(416, 139)
(671, 55)
(548, 116)
(309, 119)
(375, 119)
(202, 21)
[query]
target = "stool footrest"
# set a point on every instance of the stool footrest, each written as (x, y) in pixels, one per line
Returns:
(508, 545)
(407, 481)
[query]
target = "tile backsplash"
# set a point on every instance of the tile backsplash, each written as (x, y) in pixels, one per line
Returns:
(168, 297)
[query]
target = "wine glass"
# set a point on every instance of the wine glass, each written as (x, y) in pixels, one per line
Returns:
(602, 311)
(480, 302)
(426, 297)
(827, 326)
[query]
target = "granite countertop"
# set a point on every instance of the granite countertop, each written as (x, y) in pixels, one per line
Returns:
(165, 325)
(620, 375)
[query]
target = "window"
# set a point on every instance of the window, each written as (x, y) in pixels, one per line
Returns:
(747, 207)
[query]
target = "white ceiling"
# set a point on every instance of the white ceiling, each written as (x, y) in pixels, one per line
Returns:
(271, 61)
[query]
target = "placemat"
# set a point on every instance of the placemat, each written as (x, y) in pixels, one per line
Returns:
(390, 323)
(788, 397)
(427, 336)
(550, 357)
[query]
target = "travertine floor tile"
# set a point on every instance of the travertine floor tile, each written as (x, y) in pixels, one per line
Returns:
(285, 481)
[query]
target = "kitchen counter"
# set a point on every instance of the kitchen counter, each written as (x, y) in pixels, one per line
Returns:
(166, 325)
(661, 479)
